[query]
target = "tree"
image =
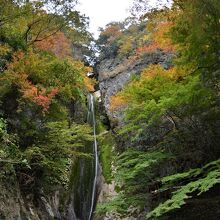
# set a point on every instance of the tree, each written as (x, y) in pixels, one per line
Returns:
(38, 20)
(141, 7)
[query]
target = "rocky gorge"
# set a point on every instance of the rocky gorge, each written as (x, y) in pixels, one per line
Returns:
(123, 127)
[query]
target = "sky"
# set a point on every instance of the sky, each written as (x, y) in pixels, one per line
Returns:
(102, 12)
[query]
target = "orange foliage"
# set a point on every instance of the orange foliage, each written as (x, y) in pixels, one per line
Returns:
(121, 99)
(117, 102)
(58, 44)
(148, 49)
(40, 96)
(89, 84)
(160, 40)
(17, 75)
(111, 32)
(16, 57)
(152, 71)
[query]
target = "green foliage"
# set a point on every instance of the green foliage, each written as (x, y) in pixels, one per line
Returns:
(196, 30)
(152, 99)
(191, 174)
(134, 172)
(106, 143)
(25, 23)
(135, 165)
(9, 152)
(121, 204)
(121, 39)
(181, 108)
(53, 154)
(199, 180)
(55, 151)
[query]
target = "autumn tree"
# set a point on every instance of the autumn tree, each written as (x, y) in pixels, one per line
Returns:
(39, 83)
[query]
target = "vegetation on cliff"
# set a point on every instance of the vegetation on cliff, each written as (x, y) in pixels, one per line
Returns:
(169, 145)
(40, 83)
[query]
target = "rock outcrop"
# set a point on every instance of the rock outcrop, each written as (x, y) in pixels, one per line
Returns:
(114, 73)
(15, 205)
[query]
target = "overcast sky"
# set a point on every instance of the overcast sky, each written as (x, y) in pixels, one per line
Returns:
(102, 12)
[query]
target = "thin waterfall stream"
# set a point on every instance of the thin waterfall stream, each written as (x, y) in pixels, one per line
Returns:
(86, 173)
(92, 121)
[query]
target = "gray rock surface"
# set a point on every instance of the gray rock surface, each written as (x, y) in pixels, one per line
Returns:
(115, 73)
(16, 206)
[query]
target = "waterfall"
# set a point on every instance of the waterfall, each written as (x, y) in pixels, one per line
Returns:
(91, 120)
(85, 173)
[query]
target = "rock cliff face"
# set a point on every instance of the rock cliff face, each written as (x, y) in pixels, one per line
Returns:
(15, 204)
(114, 73)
